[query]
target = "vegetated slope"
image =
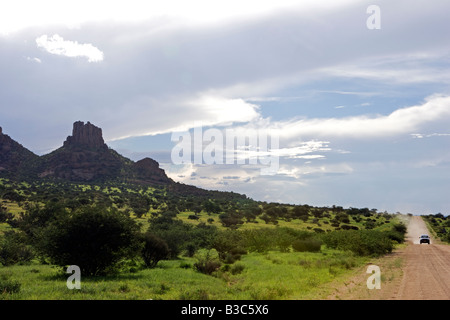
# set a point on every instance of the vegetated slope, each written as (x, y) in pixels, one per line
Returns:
(440, 225)
(85, 158)
(78, 185)
(16, 161)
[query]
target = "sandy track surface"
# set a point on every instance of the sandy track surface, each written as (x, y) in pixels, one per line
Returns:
(416, 272)
(426, 273)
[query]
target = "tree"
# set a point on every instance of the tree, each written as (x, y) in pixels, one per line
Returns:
(230, 219)
(211, 207)
(300, 212)
(181, 236)
(94, 238)
(174, 232)
(154, 250)
(13, 249)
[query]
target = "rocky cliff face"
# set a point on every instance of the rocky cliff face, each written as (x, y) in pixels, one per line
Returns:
(15, 160)
(148, 170)
(83, 157)
(85, 135)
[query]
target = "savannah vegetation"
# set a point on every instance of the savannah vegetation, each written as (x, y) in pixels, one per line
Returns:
(440, 225)
(137, 242)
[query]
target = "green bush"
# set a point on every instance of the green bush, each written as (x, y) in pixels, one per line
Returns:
(396, 236)
(400, 228)
(360, 242)
(9, 286)
(94, 238)
(181, 236)
(237, 268)
(229, 244)
(13, 249)
(307, 245)
(279, 238)
(207, 261)
(154, 250)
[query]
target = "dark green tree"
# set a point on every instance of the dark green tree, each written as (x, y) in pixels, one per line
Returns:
(94, 238)
(154, 250)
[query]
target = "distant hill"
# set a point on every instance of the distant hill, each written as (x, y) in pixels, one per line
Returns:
(16, 161)
(85, 158)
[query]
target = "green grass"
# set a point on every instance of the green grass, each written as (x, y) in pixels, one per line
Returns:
(297, 224)
(273, 275)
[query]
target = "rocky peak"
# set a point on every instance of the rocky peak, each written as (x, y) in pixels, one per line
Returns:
(86, 135)
(1, 132)
(147, 163)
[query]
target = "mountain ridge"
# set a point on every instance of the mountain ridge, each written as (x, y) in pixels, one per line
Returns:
(83, 157)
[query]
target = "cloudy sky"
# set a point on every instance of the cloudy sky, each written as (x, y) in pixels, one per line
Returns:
(359, 99)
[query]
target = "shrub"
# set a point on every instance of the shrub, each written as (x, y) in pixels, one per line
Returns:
(93, 238)
(231, 219)
(9, 286)
(395, 236)
(5, 216)
(185, 265)
(237, 268)
(181, 236)
(349, 227)
(13, 249)
(207, 261)
(258, 240)
(154, 250)
(360, 242)
(228, 243)
(400, 227)
(307, 245)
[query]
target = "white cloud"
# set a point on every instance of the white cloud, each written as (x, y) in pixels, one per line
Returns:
(20, 14)
(421, 135)
(37, 60)
(401, 121)
(181, 113)
(298, 172)
(57, 45)
(417, 67)
(221, 111)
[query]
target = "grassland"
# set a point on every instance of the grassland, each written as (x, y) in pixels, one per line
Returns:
(260, 276)
(268, 275)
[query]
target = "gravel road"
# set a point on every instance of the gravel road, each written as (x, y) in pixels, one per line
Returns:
(426, 273)
(415, 272)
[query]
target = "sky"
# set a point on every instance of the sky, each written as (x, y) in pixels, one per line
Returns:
(354, 93)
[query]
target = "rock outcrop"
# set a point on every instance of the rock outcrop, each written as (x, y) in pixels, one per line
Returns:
(84, 156)
(148, 170)
(85, 135)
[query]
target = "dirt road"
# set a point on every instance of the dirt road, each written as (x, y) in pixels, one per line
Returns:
(426, 273)
(416, 272)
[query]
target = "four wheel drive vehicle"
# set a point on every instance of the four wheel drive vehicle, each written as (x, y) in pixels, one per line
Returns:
(424, 239)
